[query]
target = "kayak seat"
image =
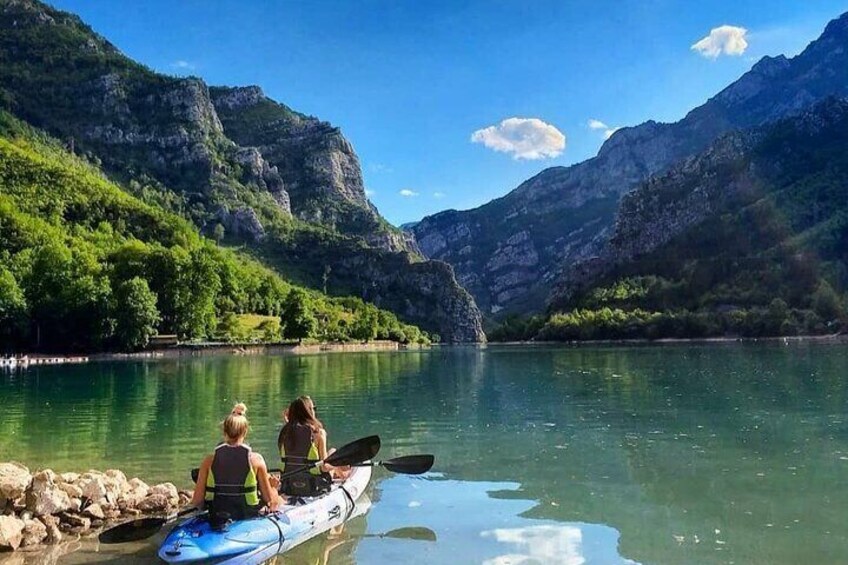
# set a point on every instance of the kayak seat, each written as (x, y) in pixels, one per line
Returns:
(305, 484)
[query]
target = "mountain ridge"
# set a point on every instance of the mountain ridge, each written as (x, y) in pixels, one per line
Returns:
(562, 214)
(164, 139)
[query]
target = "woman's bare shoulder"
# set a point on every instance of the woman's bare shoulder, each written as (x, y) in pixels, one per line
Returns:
(256, 459)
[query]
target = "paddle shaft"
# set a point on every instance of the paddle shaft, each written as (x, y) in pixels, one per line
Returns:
(140, 528)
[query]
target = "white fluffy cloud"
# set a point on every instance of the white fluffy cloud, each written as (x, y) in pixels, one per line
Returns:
(369, 193)
(523, 138)
(557, 545)
(183, 65)
(438, 194)
(407, 193)
(722, 40)
(598, 125)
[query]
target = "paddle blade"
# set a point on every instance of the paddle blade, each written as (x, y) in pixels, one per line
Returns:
(132, 531)
(355, 452)
(410, 464)
(419, 533)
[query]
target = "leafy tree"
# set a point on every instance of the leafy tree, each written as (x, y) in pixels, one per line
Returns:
(269, 331)
(297, 317)
(364, 326)
(12, 309)
(826, 303)
(218, 233)
(136, 315)
(230, 329)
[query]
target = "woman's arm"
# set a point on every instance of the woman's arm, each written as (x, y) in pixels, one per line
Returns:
(269, 494)
(321, 444)
(199, 495)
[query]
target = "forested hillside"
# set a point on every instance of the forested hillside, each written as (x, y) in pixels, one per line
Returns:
(84, 265)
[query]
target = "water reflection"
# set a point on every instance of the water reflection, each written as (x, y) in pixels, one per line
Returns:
(473, 526)
(695, 454)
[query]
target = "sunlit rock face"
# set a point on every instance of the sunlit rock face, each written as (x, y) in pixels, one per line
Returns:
(740, 177)
(566, 212)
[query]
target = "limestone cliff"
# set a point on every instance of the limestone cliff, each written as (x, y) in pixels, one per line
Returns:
(508, 253)
(318, 165)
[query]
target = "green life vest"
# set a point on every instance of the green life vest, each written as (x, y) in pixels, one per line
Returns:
(231, 486)
(301, 449)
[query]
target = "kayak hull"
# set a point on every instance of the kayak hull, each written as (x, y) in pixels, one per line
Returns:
(258, 539)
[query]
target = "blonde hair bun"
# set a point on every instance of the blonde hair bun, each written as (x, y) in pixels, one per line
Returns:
(235, 425)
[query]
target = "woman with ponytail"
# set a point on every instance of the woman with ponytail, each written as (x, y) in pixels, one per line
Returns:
(232, 478)
(302, 441)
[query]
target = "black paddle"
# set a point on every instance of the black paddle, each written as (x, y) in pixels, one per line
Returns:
(408, 464)
(139, 529)
(352, 453)
(419, 533)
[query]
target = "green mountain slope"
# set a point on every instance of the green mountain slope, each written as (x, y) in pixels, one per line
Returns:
(748, 238)
(84, 265)
(235, 163)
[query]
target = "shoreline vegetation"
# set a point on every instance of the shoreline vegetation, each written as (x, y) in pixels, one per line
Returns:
(317, 348)
(45, 510)
(841, 338)
(591, 322)
(86, 267)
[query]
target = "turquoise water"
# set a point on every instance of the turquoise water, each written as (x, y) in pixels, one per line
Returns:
(650, 454)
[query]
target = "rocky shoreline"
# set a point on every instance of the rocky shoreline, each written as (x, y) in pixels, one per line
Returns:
(47, 508)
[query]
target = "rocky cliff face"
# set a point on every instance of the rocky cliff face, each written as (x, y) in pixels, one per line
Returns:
(563, 214)
(59, 75)
(785, 179)
(228, 156)
(318, 165)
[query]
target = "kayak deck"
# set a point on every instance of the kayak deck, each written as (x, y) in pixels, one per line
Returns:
(258, 539)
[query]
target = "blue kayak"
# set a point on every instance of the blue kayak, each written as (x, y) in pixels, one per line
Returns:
(258, 539)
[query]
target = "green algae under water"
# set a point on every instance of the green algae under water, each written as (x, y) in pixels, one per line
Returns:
(721, 453)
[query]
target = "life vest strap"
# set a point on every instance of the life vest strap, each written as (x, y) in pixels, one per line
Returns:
(225, 490)
(296, 459)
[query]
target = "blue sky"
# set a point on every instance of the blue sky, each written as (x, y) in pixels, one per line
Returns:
(410, 82)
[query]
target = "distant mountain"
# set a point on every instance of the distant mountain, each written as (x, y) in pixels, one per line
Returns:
(761, 215)
(231, 160)
(510, 252)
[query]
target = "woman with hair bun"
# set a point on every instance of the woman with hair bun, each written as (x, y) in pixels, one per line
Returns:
(232, 478)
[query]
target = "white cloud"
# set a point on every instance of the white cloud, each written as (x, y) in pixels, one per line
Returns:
(596, 124)
(369, 193)
(183, 65)
(438, 194)
(523, 138)
(379, 168)
(722, 40)
(601, 126)
(407, 193)
(557, 545)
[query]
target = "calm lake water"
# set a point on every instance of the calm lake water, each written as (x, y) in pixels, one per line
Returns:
(654, 454)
